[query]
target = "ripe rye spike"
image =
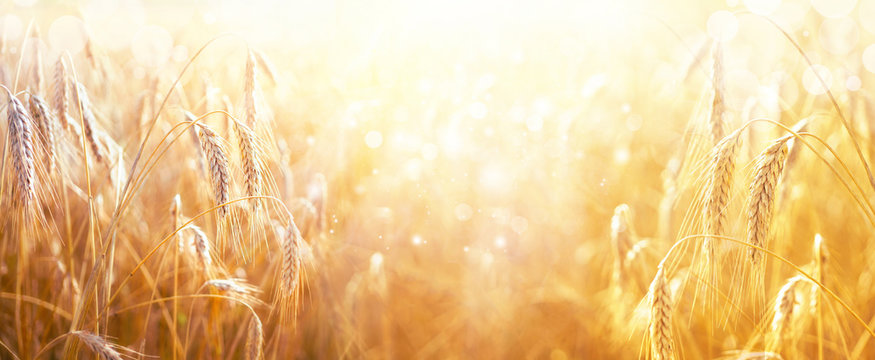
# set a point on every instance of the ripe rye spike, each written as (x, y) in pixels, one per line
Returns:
(217, 162)
(21, 150)
(661, 343)
(717, 190)
(769, 166)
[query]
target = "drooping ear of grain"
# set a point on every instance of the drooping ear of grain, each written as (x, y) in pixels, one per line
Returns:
(718, 106)
(769, 166)
(217, 161)
(45, 122)
(661, 343)
(255, 340)
(21, 151)
(718, 186)
(98, 345)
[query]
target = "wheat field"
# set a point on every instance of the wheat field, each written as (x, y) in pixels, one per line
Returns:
(225, 179)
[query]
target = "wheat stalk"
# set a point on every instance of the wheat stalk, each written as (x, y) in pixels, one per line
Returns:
(21, 150)
(717, 190)
(214, 153)
(769, 166)
(660, 317)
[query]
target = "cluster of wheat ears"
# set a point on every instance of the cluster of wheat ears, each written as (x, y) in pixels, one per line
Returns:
(159, 216)
(58, 154)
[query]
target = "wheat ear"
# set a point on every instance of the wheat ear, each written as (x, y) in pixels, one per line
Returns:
(214, 153)
(661, 343)
(717, 190)
(266, 65)
(21, 149)
(784, 305)
(250, 159)
(98, 345)
(88, 121)
(291, 270)
(60, 93)
(249, 86)
(45, 122)
(718, 106)
(37, 66)
(769, 166)
(255, 340)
